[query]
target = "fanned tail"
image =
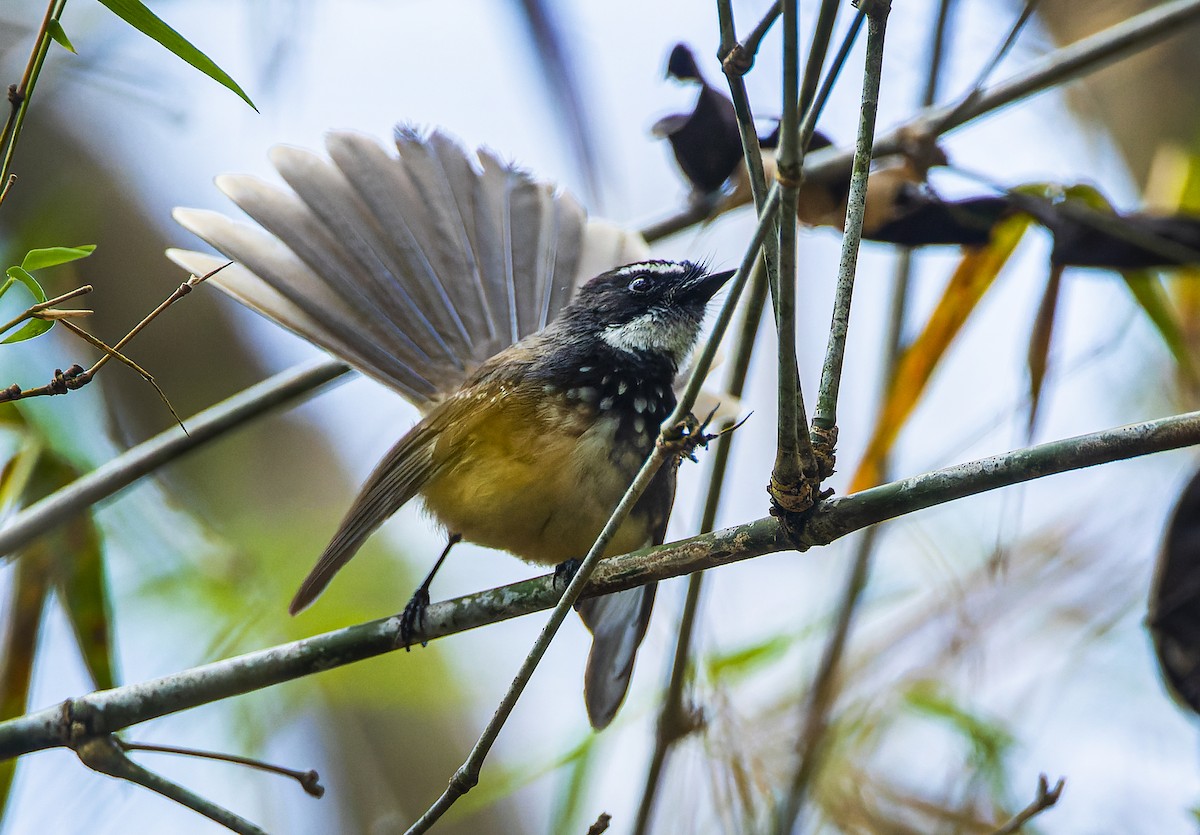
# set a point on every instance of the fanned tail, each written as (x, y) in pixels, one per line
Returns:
(413, 268)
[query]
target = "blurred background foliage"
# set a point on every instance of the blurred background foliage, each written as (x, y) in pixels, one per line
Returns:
(1000, 637)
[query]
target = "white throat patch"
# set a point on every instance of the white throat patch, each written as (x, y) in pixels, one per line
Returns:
(648, 333)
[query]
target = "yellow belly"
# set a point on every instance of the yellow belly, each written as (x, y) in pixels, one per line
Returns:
(538, 483)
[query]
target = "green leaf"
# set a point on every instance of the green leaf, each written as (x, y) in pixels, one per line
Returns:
(22, 275)
(21, 628)
(745, 660)
(55, 30)
(135, 13)
(34, 327)
(52, 256)
(78, 559)
(1151, 296)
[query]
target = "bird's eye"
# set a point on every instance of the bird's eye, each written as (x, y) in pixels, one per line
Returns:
(640, 284)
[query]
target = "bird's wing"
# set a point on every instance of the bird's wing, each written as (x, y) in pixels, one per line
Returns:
(396, 479)
(415, 267)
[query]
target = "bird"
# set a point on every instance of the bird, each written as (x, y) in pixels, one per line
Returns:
(455, 279)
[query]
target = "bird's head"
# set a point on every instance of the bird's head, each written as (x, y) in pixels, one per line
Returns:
(648, 308)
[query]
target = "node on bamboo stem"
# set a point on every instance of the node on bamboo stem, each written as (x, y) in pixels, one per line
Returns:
(824, 443)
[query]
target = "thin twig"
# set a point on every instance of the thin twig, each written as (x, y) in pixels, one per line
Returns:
(813, 112)
(1046, 797)
(825, 417)
(810, 747)
(104, 754)
(22, 93)
(109, 711)
(76, 377)
(12, 178)
(675, 720)
(115, 475)
(180, 291)
(42, 307)
(816, 713)
(309, 780)
(1006, 45)
(818, 48)
(1084, 56)
(467, 775)
(112, 353)
(754, 39)
(795, 472)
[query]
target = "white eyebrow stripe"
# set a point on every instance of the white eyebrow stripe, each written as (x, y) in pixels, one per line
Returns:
(657, 267)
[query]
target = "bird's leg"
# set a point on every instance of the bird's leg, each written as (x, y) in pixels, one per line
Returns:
(413, 618)
(565, 571)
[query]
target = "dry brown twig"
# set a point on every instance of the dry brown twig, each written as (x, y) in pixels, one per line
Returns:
(1046, 797)
(77, 376)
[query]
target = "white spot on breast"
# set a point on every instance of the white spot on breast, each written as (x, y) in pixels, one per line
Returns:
(639, 425)
(639, 404)
(606, 404)
(622, 387)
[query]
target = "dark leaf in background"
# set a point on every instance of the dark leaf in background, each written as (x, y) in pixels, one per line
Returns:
(69, 560)
(706, 142)
(921, 218)
(1146, 241)
(79, 578)
(1037, 357)
(21, 624)
(1174, 611)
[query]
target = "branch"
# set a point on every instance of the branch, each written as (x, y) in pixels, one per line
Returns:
(125, 469)
(1046, 797)
(106, 755)
(1080, 58)
(825, 417)
(19, 95)
(795, 472)
(108, 711)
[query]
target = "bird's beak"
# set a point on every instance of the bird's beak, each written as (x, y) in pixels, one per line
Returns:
(706, 286)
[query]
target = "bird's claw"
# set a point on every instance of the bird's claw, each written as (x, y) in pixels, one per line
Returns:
(412, 620)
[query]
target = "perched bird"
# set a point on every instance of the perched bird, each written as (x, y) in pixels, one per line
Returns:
(448, 276)
(708, 149)
(706, 141)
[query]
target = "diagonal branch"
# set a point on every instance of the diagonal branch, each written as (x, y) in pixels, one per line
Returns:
(108, 711)
(115, 475)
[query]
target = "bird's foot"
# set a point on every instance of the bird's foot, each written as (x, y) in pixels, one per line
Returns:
(412, 620)
(565, 572)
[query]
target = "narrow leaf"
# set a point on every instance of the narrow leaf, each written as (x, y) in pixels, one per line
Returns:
(55, 30)
(1174, 188)
(1148, 292)
(972, 278)
(569, 800)
(77, 556)
(21, 627)
(21, 275)
(1038, 356)
(17, 471)
(52, 256)
(1151, 296)
(135, 13)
